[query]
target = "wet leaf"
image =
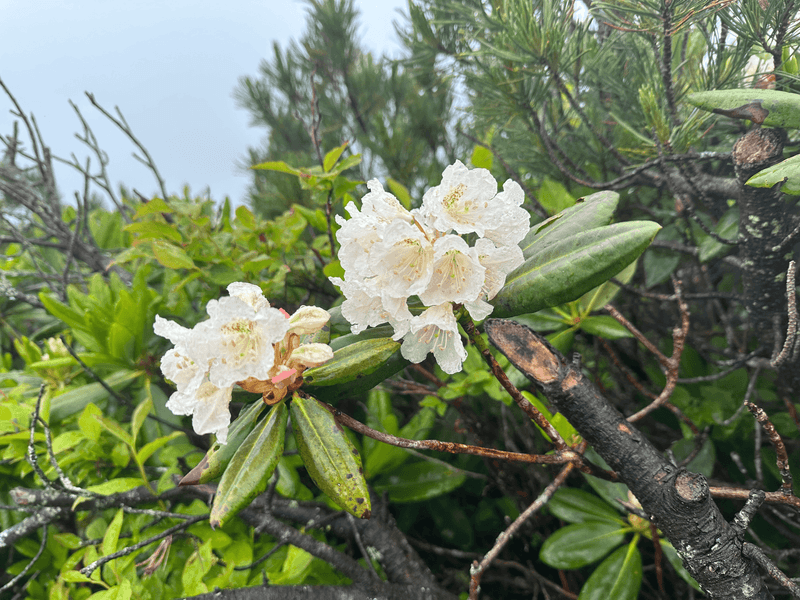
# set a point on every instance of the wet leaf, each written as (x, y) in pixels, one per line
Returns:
(330, 458)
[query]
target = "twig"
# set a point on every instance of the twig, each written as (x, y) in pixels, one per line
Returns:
(27, 567)
(528, 408)
(754, 552)
(478, 568)
(559, 457)
(782, 458)
(130, 549)
(31, 455)
(123, 125)
(791, 332)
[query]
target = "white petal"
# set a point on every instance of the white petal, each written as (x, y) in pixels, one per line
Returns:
(499, 262)
(211, 414)
(249, 293)
(435, 330)
(457, 273)
(508, 223)
(402, 260)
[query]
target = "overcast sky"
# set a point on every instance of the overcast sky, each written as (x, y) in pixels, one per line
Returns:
(171, 67)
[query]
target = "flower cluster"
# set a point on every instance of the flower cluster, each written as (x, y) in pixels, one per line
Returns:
(246, 342)
(390, 254)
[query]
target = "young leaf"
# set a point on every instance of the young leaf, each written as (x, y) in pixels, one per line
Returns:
(330, 458)
(112, 534)
(332, 157)
(251, 466)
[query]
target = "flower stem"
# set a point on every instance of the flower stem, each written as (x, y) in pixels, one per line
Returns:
(529, 409)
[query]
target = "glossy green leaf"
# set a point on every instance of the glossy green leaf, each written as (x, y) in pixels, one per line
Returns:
(566, 269)
(352, 362)
(219, 455)
(603, 294)
(605, 327)
(251, 466)
(618, 577)
(764, 107)
(577, 545)
(419, 481)
(589, 213)
(787, 171)
(381, 331)
(330, 458)
(114, 429)
(577, 506)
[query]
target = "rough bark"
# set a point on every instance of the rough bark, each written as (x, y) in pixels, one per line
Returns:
(763, 224)
(677, 500)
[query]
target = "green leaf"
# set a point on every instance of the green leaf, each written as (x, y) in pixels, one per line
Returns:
(277, 165)
(578, 545)
(77, 399)
(419, 481)
(554, 197)
(171, 256)
(316, 218)
(64, 313)
(787, 171)
(152, 447)
(481, 158)
(605, 327)
(603, 294)
(114, 429)
(332, 157)
(75, 577)
(139, 416)
(577, 506)
(219, 455)
(116, 486)
(88, 424)
(400, 191)
(295, 568)
(245, 218)
(330, 458)
(619, 576)
(566, 269)
(156, 230)
(589, 213)
(763, 107)
(251, 466)
(352, 362)
(111, 537)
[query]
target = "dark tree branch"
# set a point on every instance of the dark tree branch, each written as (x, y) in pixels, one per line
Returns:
(679, 501)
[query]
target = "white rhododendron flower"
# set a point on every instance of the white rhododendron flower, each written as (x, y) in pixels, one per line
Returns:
(390, 254)
(245, 341)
